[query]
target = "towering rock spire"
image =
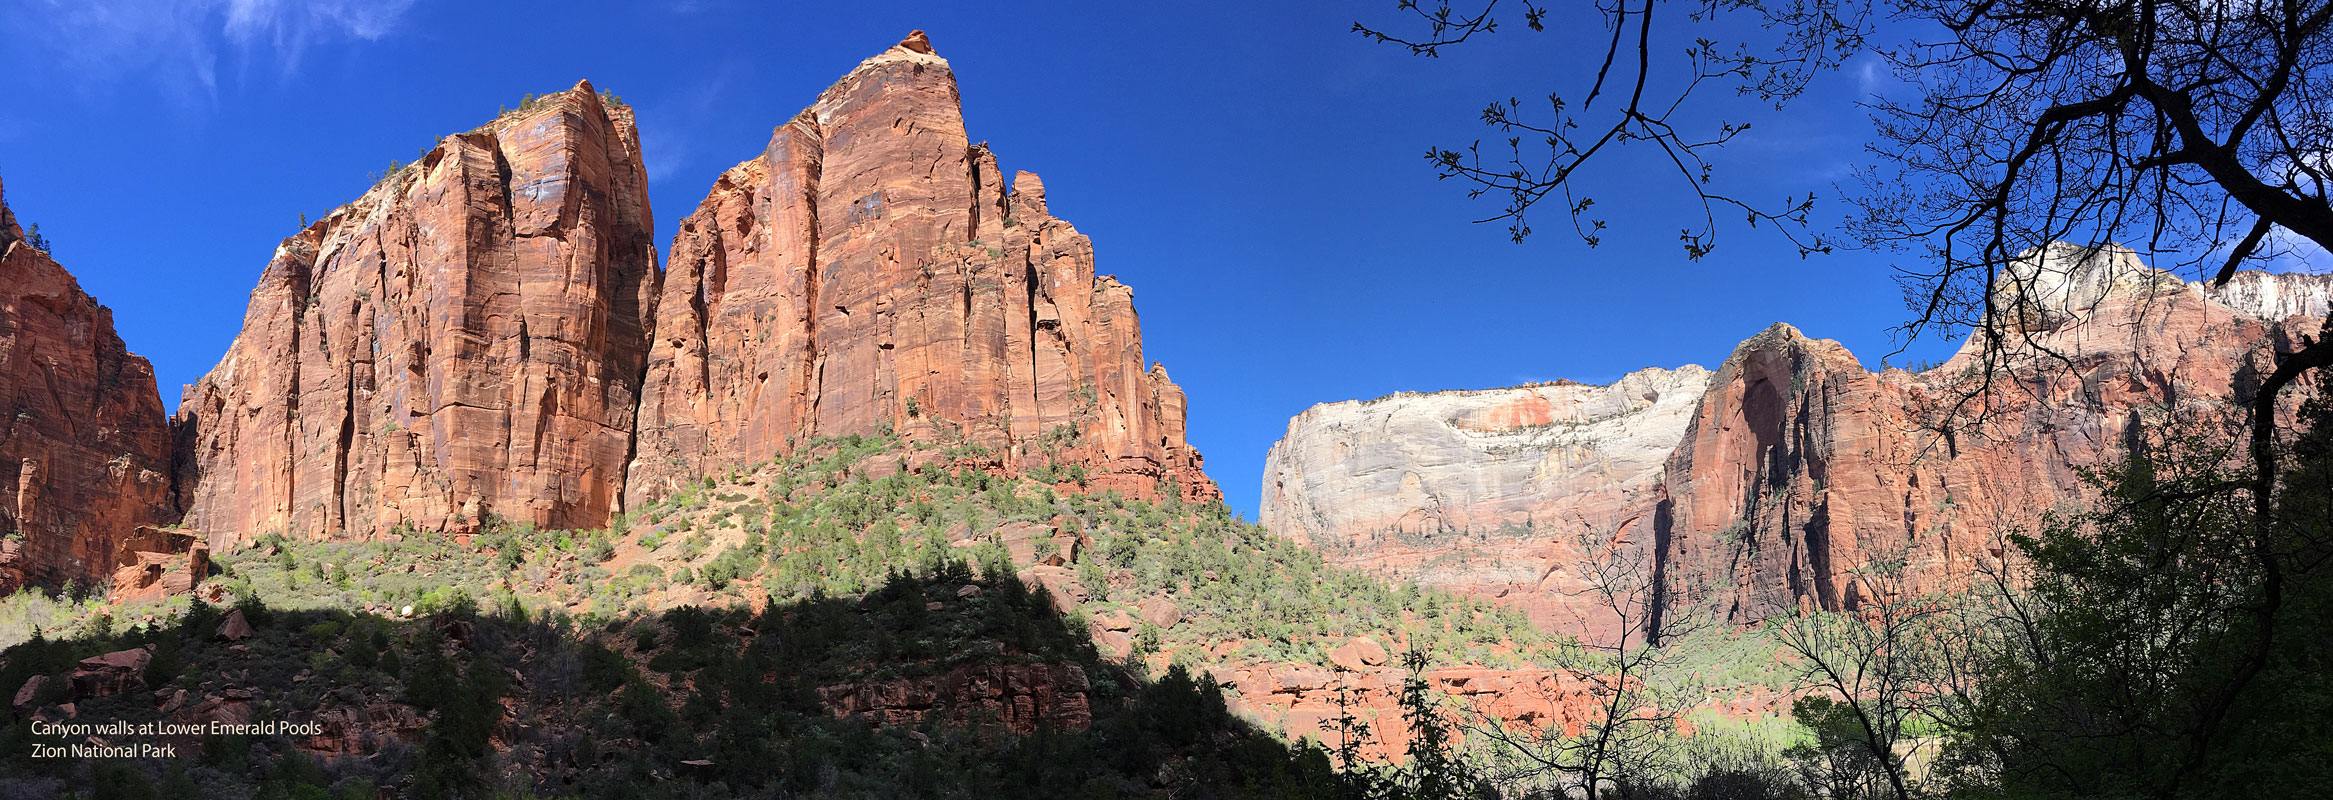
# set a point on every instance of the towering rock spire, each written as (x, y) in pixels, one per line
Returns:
(465, 339)
(84, 447)
(872, 268)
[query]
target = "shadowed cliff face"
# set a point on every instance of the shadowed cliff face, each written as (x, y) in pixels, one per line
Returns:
(872, 268)
(1796, 466)
(84, 447)
(466, 339)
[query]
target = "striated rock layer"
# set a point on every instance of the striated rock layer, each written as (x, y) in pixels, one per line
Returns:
(873, 269)
(1801, 467)
(1484, 492)
(1795, 467)
(84, 446)
(466, 339)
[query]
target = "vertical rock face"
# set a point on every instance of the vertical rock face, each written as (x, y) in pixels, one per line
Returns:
(1801, 467)
(466, 339)
(84, 446)
(873, 269)
(1484, 492)
(1796, 467)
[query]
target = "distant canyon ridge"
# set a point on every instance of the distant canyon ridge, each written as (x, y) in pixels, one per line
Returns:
(486, 334)
(1762, 486)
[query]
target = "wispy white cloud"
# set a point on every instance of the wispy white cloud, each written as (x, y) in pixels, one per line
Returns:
(1868, 78)
(288, 28)
(665, 140)
(178, 45)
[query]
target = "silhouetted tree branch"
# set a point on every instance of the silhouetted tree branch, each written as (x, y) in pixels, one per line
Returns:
(2194, 131)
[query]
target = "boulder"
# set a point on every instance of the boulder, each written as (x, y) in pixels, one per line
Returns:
(1159, 611)
(1358, 654)
(112, 673)
(1060, 583)
(29, 692)
(1022, 539)
(233, 628)
(1113, 620)
(1295, 679)
(1113, 644)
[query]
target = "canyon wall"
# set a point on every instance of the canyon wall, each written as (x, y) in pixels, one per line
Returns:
(84, 446)
(874, 270)
(1796, 467)
(1491, 492)
(475, 336)
(1802, 468)
(466, 339)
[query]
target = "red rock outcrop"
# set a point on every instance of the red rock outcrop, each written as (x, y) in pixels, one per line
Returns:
(154, 563)
(466, 339)
(872, 269)
(1022, 697)
(118, 672)
(1801, 467)
(84, 445)
(359, 730)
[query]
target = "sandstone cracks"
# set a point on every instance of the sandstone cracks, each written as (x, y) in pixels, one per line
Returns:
(84, 446)
(874, 270)
(485, 334)
(465, 339)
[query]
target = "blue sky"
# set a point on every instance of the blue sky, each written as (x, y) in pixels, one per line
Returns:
(1255, 173)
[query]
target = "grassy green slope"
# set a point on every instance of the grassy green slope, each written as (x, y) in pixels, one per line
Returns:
(607, 663)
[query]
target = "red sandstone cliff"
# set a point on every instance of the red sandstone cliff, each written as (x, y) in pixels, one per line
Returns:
(84, 446)
(872, 268)
(1801, 467)
(1795, 465)
(467, 338)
